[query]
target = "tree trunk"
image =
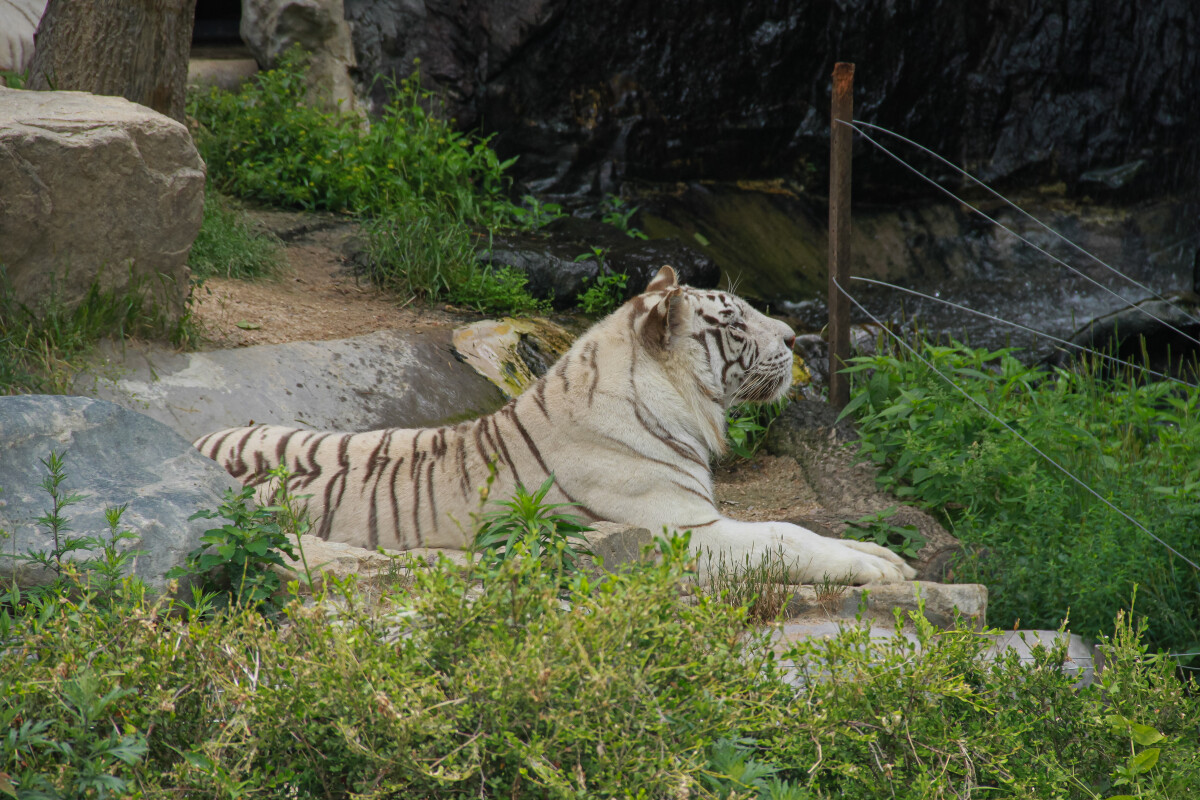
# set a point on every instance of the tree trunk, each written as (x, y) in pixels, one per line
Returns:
(137, 49)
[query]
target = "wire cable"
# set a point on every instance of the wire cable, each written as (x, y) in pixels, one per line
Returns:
(1035, 331)
(1001, 225)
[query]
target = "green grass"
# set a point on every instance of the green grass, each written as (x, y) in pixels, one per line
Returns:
(42, 348)
(422, 189)
(230, 246)
(1045, 546)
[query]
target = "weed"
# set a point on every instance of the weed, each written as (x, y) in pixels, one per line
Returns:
(525, 526)
(607, 291)
(533, 214)
(229, 246)
(761, 586)
(747, 425)
(236, 559)
(616, 213)
(42, 348)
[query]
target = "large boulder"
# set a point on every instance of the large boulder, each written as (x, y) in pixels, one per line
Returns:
(95, 189)
(112, 456)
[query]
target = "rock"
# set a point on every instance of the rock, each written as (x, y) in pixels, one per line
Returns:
(269, 27)
(95, 189)
(18, 23)
(942, 603)
(617, 544)
(551, 259)
(1083, 660)
(511, 353)
(228, 74)
(339, 561)
(845, 488)
(590, 95)
(113, 456)
(379, 380)
(1166, 330)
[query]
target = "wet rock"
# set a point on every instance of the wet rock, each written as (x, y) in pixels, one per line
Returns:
(112, 456)
(845, 487)
(1165, 330)
(383, 379)
(97, 190)
(511, 353)
(561, 259)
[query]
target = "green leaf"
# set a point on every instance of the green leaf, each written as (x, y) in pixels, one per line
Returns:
(1144, 761)
(1145, 735)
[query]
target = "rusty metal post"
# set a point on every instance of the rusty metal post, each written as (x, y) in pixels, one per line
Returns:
(839, 232)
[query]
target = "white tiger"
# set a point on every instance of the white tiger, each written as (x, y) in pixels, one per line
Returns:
(627, 421)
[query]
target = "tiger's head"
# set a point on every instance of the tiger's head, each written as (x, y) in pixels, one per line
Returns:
(735, 353)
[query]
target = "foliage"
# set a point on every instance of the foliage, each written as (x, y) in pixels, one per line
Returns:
(525, 526)
(101, 563)
(43, 347)
(428, 254)
(607, 291)
(747, 425)
(13, 79)
(267, 142)
(236, 559)
(229, 246)
(904, 540)
(1042, 543)
(533, 214)
(616, 213)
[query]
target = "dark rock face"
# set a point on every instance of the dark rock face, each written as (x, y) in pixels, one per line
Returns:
(551, 259)
(590, 94)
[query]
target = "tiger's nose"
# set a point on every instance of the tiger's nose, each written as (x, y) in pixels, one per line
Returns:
(789, 339)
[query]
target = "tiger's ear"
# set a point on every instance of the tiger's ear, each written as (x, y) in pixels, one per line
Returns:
(664, 280)
(662, 319)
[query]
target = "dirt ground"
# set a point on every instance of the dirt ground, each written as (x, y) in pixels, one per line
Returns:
(319, 297)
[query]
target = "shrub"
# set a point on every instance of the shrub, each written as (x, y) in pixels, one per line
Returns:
(266, 142)
(1043, 544)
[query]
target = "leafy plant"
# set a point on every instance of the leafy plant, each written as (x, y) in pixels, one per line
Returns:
(904, 540)
(236, 558)
(747, 425)
(533, 214)
(607, 291)
(618, 214)
(229, 246)
(1041, 541)
(267, 141)
(525, 526)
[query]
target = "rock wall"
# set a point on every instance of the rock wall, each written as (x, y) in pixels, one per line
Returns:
(1095, 93)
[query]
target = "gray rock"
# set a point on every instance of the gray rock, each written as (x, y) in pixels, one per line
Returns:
(269, 27)
(95, 189)
(943, 604)
(617, 544)
(383, 379)
(113, 456)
